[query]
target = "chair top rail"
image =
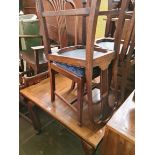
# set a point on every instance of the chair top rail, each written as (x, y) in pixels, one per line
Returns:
(69, 12)
(81, 12)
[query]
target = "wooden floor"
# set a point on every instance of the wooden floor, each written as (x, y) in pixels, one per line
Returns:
(40, 95)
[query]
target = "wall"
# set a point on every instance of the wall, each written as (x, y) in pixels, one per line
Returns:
(101, 23)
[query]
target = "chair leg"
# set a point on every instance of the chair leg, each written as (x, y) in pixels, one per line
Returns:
(80, 92)
(89, 150)
(89, 95)
(109, 75)
(114, 84)
(104, 88)
(36, 70)
(52, 83)
(30, 70)
(124, 77)
(72, 86)
(21, 65)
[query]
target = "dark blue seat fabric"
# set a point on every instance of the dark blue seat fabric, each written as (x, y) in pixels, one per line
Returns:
(78, 71)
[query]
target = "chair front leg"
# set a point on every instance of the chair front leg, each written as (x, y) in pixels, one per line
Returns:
(80, 92)
(36, 68)
(36, 71)
(89, 94)
(52, 82)
(126, 69)
(114, 81)
(89, 150)
(104, 88)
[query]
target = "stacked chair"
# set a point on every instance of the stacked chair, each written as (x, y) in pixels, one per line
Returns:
(30, 38)
(125, 29)
(83, 63)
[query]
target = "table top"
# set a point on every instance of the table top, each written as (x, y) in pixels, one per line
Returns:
(39, 94)
(123, 121)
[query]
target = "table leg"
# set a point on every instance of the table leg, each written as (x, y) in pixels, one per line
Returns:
(89, 150)
(34, 116)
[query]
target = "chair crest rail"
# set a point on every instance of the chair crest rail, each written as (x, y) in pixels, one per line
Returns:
(69, 12)
(82, 12)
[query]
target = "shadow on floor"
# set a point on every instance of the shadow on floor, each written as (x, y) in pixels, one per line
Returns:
(53, 140)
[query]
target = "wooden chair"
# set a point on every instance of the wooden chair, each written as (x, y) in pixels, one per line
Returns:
(35, 60)
(79, 63)
(123, 44)
(127, 66)
(30, 40)
(29, 37)
(110, 21)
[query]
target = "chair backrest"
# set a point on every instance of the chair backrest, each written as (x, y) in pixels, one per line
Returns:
(110, 25)
(125, 48)
(129, 40)
(124, 23)
(60, 12)
(66, 30)
(129, 34)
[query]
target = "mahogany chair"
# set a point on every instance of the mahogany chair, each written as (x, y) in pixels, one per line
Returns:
(29, 36)
(31, 49)
(127, 67)
(79, 63)
(123, 44)
(35, 60)
(110, 21)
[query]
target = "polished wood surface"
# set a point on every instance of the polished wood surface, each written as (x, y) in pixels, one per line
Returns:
(39, 94)
(115, 144)
(119, 138)
(118, 132)
(123, 121)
